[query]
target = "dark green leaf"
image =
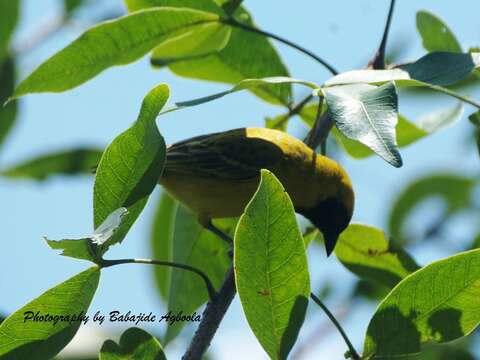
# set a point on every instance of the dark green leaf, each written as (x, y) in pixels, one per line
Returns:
(161, 241)
(370, 290)
(455, 190)
(230, 6)
(441, 352)
(20, 339)
(367, 114)
(131, 166)
(368, 253)
(71, 5)
(436, 36)
(271, 269)
(475, 118)
(8, 113)
(195, 246)
(69, 162)
(437, 303)
(10, 10)
(134, 344)
(116, 42)
(246, 56)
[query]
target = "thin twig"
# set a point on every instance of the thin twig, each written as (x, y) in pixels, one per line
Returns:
(353, 353)
(294, 111)
(211, 318)
(211, 290)
(237, 24)
(378, 62)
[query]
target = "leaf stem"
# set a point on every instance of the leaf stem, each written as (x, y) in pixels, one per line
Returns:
(378, 62)
(237, 24)
(353, 353)
(211, 318)
(211, 290)
(319, 132)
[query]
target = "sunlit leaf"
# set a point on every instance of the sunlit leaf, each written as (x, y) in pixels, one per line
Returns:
(28, 339)
(116, 42)
(454, 190)
(161, 241)
(367, 114)
(271, 268)
(368, 253)
(69, 162)
(134, 344)
(437, 303)
(436, 36)
(193, 245)
(131, 166)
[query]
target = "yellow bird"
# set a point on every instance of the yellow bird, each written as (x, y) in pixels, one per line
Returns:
(215, 175)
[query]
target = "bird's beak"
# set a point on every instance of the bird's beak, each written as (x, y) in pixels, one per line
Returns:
(330, 241)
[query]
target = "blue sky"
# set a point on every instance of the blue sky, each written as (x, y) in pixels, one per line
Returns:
(344, 32)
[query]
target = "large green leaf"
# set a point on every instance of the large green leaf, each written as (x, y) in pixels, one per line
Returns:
(437, 303)
(407, 131)
(134, 344)
(10, 10)
(69, 162)
(29, 339)
(161, 241)
(131, 166)
(8, 113)
(246, 56)
(367, 114)
(271, 269)
(454, 190)
(116, 42)
(195, 246)
(368, 253)
(436, 36)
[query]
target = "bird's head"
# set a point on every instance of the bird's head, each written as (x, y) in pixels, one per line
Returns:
(332, 214)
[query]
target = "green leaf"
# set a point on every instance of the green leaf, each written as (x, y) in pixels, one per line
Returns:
(407, 131)
(202, 5)
(117, 42)
(437, 303)
(367, 114)
(247, 84)
(456, 191)
(195, 246)
(20, 338)
(271, 269)
(10, 11)
(246, 56)
(230, 6)
(438, 68)
(131, 166)
(161, 241)
(8, 113)
(368, 253)
(436, 36)
(205, 39)
(134, 344)
(71, 5)
(83, 248)
(68, 162)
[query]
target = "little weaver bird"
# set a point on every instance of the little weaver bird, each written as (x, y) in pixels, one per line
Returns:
(216, 175)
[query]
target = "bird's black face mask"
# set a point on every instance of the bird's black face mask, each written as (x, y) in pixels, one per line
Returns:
(331, 217)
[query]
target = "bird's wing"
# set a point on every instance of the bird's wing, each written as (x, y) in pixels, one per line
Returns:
(229, 155)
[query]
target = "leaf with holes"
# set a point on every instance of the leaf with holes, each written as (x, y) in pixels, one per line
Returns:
(436, 303)
(271, 268)
(130, 167)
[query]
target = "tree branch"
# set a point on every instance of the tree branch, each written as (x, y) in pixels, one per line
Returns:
(237, 24)
(211, 290)
(211, 318)
(378, 61)
(351, 349)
